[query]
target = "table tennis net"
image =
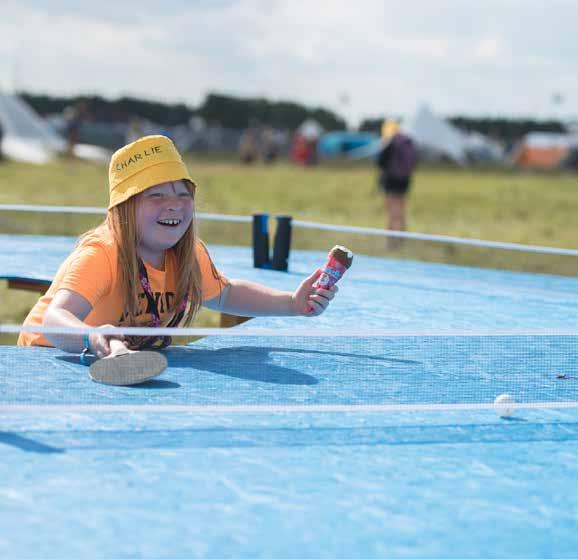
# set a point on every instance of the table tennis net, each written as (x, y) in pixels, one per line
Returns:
(267, 370)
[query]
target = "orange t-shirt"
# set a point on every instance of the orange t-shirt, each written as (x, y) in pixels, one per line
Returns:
(91, 271)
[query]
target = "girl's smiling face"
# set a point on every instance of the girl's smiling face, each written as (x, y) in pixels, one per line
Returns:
(163, 214)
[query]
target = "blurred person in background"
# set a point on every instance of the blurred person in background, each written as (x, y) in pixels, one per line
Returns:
(305, 140)
(249, 146)
(270, 149)
(74, 115)
(396, 162)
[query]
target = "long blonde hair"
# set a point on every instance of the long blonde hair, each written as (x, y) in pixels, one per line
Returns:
(121, 222)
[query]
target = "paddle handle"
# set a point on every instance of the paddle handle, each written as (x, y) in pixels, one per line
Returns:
(117, 348)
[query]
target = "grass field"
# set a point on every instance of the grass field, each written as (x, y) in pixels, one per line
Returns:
(488, 204)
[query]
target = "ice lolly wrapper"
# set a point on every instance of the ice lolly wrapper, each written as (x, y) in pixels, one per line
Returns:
(338, 261)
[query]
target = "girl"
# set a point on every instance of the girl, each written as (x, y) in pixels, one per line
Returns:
(145, 265)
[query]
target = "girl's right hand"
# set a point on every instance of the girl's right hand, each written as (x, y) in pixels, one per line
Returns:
(99, 343)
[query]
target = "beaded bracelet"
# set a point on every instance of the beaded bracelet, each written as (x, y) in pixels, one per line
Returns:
(86, 350)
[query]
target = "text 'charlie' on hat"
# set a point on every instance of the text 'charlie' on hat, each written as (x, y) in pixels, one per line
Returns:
(148, 161)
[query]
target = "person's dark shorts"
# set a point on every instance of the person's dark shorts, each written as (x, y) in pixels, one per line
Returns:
(394, 185)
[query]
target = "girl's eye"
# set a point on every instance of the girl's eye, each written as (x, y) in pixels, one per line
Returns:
(184, 195)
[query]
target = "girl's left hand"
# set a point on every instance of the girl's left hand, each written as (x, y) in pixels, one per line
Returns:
(309, 301)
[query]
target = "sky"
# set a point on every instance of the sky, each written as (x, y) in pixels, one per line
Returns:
(361, 59)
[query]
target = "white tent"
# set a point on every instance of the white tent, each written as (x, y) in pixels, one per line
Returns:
(26, 137)
(437, 136)
(310, 129)
(434, 134)
(482, 148)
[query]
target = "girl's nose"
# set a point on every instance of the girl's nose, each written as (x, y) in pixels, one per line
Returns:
(173, 203)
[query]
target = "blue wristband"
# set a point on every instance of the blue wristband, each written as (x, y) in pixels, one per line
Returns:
(86, 342)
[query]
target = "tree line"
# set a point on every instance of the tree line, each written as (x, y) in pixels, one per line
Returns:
(239, 113)
(224, 110)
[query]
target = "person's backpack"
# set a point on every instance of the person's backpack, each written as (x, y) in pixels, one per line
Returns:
(403, 156)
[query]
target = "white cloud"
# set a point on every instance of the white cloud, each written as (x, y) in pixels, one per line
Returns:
(496, 57)
(488, 48)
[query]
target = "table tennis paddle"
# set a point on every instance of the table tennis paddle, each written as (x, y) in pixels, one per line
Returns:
(124, 367)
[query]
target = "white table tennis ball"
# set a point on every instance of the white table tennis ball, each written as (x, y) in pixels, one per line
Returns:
(505, 405)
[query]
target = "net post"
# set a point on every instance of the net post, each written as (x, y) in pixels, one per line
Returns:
(282, 243)
(261, 241)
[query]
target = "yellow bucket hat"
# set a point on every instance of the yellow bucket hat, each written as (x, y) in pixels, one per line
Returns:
(149, 161)
(389, 129)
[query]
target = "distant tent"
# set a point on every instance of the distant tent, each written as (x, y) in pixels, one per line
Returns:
(344, 143)
(438, 137)
(310, 129)
(480, 148)
(435, 137)
(26, 137)
(544, 150)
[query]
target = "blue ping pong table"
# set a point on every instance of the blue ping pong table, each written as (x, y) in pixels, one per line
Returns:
(248, 471)
(267, 464)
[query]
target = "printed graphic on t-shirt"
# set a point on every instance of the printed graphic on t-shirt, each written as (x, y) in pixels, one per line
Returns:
(163, 302)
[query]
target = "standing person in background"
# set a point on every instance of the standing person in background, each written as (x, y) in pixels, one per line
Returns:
(269, 142)
(396, 162)
(74, 116)
(249, 145)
